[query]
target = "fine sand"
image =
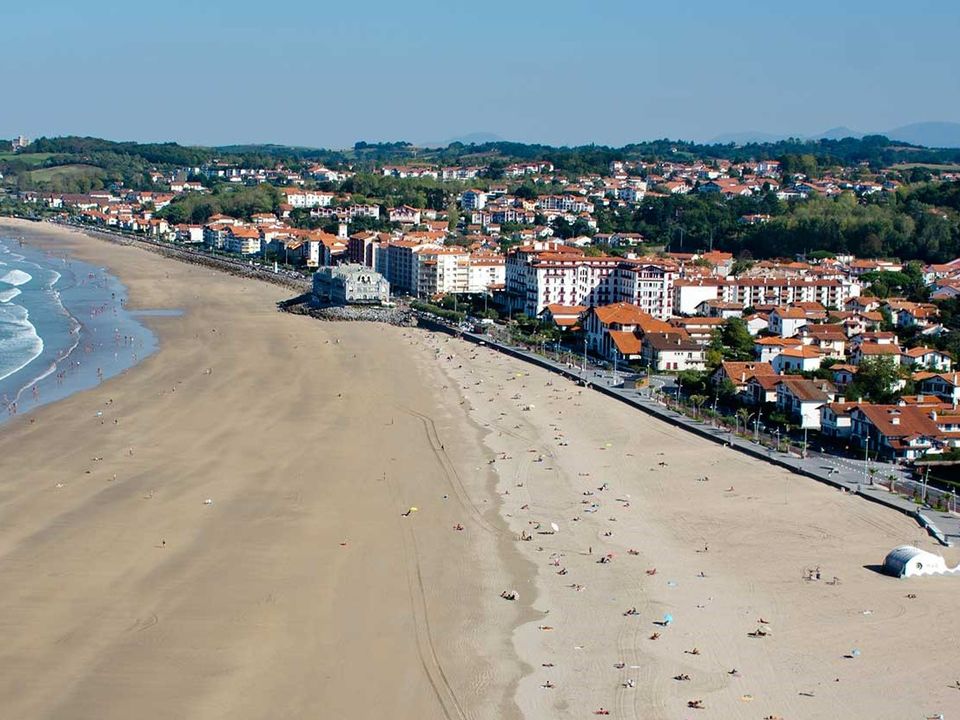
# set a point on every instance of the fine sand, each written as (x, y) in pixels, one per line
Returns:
(721, 543)
(303, 590)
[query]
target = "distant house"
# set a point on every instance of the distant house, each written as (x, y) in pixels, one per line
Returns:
(565, 317)
(762, 389)
(866, 350)
(861, 304)
(740, 373)
(905, 432)
(787, 321)
(919, 315)
(843, 374)
(767, 348)
(243, 240)
(797, 360)
(349, 285)
(926, 357)
(719, 309)
(627, 346)
(756, 323)
(700, 329)
(473, 200)
(829, 339)
(875, 337)
(836, 419)
(802, 399)
(300, 198)
(405, 215)
(190, 234)
(944, 385)
(600, 321)
(662, 352)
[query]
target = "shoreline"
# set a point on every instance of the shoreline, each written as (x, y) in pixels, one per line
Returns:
(308, 573)
(71, 369)
(303, 552)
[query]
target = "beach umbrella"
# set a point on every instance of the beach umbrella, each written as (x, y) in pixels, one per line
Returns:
(667, 619)
(414, 509)
(855, 652)
(556, 528)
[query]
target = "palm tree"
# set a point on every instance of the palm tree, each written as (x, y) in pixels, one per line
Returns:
(697, 401)
(744, 416)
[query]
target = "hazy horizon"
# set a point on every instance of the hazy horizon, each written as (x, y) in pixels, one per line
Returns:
(554, 73)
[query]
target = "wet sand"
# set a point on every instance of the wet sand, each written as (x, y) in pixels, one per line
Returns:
(299, 590)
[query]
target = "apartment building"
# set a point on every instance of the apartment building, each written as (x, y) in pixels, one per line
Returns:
(441, 270)
(487, 271)
(751, 292)
(545, 273)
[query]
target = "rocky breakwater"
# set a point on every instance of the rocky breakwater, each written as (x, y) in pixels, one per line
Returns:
(305, 305)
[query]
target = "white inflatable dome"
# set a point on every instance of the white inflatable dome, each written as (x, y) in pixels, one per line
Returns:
(908, 561)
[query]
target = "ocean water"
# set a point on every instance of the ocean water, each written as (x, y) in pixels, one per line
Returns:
(64, 327)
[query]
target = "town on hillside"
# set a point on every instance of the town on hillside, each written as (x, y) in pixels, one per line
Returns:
(764, 287)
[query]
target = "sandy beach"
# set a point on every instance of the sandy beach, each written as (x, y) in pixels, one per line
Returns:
(234, 537)
(299, 590)
(717, 543)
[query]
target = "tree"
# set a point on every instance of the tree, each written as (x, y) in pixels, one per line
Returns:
(726, 390)
(741, 266)
(736, 339)
(453, 217)
(692, 380)
(744, 415)
(877, 381)
(561, 228)
(526, 192)
(698, 401)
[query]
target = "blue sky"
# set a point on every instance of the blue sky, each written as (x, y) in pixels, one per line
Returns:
(559, 72)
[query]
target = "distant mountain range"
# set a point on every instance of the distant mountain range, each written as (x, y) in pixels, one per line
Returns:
(928, 134)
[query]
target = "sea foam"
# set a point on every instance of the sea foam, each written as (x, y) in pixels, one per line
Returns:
(16, 277)
(19, 342)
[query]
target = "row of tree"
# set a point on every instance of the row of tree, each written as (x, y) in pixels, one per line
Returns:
(242, 202)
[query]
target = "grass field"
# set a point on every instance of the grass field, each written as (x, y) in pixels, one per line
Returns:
(929, 166)
(63, 172)
(29, 158)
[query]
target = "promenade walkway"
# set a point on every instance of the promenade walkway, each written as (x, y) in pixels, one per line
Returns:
(843, 473)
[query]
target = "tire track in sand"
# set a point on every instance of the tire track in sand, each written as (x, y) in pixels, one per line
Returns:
(426, 649)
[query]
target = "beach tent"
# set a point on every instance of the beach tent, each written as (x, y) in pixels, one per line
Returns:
(908, 561)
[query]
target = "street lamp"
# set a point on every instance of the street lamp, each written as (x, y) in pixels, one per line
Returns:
(866, 456)
(756, 428)
(584, 358)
